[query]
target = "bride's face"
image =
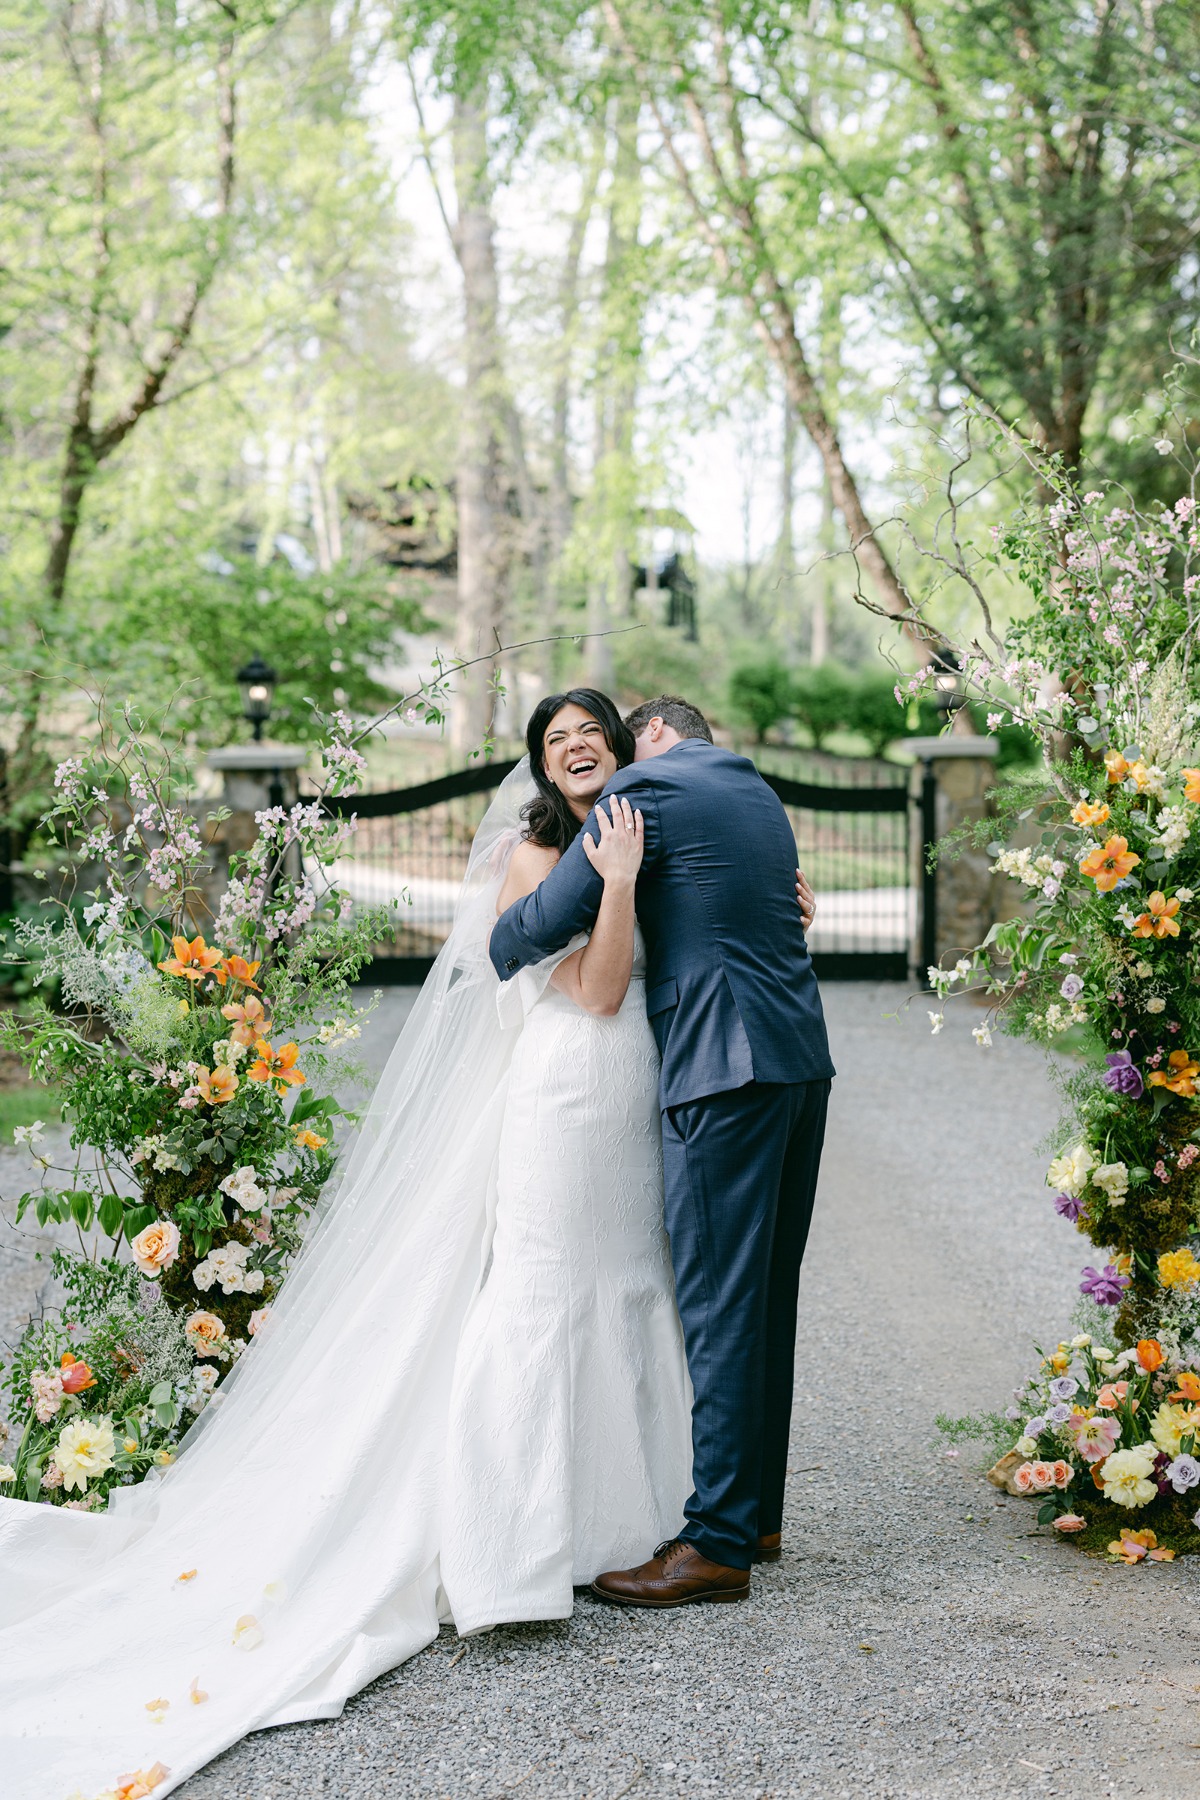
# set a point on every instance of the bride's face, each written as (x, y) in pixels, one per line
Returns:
(577, 758)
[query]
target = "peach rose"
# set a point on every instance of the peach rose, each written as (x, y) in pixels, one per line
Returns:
(1023, 1478)
(1042, 1475)
(258, 1320)
(205, 1333)
(156, 1248)
(1070, 1522)
(1112, 1394)
(1062, 1472)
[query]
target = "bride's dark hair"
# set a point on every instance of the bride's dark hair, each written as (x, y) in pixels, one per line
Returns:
(549, 820)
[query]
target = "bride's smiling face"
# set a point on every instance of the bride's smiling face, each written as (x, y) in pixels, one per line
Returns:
(577, 757)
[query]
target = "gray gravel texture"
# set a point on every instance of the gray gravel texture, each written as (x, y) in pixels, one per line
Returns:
(920, 1638)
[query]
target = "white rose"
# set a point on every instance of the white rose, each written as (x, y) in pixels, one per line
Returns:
(1113, 1180)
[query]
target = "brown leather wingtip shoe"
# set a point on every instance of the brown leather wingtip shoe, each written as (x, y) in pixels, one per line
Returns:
(768, 1549)
(676, 1575)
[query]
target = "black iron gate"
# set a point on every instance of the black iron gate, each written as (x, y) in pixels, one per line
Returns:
(854, 843)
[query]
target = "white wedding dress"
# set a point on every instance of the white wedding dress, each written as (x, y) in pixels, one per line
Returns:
(470, 1397)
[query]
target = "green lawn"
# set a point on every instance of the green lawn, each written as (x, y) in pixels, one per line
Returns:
(22, 1105)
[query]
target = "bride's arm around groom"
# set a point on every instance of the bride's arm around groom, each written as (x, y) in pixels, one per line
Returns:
(745, 1079)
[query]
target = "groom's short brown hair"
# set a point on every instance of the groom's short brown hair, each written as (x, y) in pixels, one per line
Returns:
(679, 714)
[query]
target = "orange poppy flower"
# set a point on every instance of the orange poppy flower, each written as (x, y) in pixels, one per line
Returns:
(75, 1376)
(1150, 1354)
(1179, 1076)
(236, 968)
(277, 1066)
(1109, 863)
(308, 1140)
(1116, 765)
(1088, 814)
(1191, 785)
(217, 1085)
(1188, 1389)
(249, 1018)
(1098, 1474)
(1159, 920)
(191, 961)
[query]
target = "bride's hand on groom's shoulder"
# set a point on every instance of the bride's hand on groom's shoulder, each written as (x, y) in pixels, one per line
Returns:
(807, 899)
(618, 855)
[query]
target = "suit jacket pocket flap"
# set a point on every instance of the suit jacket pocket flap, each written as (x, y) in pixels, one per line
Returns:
(660, 998)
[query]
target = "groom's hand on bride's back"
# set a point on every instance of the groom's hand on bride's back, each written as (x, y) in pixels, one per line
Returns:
(807, 899)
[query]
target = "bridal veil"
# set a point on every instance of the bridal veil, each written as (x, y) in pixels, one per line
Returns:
(291, 1553)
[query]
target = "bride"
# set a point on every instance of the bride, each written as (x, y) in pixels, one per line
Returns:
(470, 1398)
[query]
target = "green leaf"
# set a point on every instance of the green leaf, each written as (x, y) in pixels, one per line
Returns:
(111, 1212)
(1047, 1512)
(82, 1207)
(33, 1481)
(160, 1393)
(137, 1218)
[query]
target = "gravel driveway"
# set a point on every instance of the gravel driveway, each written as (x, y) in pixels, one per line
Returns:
(920, 1637)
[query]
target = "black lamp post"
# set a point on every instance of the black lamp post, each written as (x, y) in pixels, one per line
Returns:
(257, 683)
(947, 680)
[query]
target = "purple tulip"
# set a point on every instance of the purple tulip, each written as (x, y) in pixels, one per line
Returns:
(1068, 1205)
(1121, 1075)
(1105, 1286)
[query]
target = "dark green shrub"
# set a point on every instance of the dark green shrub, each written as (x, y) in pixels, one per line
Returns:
(821, 700)
(874, 712)
(760, 695)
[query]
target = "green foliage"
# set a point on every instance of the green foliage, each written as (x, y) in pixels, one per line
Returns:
(874, 712)
(183, 624)
(821, 701)
(760, 695)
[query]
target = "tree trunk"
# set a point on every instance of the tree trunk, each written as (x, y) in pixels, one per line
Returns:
(616, 398)
(478, 493)
(818, 649)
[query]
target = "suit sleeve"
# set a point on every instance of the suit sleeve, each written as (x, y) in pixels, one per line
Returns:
(567, 901)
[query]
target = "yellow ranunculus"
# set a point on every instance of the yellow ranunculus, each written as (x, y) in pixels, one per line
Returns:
(1178, 1268)
(1171, 1423)
(85, 1448)
(1127, 1477)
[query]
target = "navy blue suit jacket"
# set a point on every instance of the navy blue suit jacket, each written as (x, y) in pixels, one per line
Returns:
(730, 988)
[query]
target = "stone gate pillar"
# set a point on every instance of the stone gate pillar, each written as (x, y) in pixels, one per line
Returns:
(951, 785)
(257, 776)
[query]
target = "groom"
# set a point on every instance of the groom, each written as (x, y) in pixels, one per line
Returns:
(745, 1081)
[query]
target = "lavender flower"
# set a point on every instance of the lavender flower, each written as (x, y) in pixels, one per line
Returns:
(1183, 1473)
(1105, 1286)
(1058, 1415)
(1071, 987)
(1121, 1075)
(1064, 1387)
(1035, 1427)
(1068, 1205)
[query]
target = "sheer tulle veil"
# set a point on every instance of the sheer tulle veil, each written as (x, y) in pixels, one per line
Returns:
(306, 1500)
